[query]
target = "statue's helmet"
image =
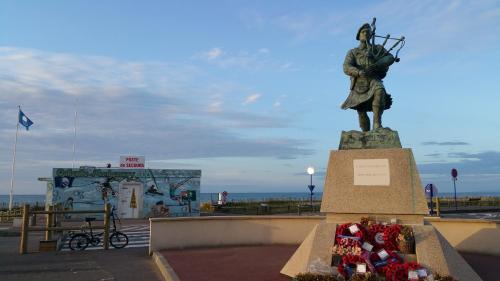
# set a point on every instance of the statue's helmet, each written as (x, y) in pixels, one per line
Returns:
(364, 26)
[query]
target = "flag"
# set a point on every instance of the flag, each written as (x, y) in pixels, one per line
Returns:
(24, 120)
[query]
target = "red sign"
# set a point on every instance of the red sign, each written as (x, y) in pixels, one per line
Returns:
(454, 173)
(132, 162)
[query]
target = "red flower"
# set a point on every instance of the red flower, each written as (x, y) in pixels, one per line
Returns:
(399, 272)
(344, 232)
(389, 235)
(349, 261)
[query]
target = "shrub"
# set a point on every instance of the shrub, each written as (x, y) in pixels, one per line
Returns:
(207, 207)
(315, 277)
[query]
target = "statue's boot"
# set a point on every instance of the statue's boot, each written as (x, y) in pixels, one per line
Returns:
(378, 108)
(364, 121)
(377, 117)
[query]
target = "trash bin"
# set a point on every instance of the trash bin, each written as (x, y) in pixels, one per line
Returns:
(47, 245)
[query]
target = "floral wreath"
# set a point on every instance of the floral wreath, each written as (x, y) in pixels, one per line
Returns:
(348, 262)
(343, 235)
(399, 272)
(383, 237)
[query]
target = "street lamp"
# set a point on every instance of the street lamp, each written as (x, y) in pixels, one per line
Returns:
(454, 174)
(310, 171)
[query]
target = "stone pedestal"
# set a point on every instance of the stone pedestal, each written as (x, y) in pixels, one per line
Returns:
(374, 182)
(382, 184)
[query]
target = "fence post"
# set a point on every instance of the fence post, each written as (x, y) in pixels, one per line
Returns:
(107, 212)
(49, 223)
(438, 211)
(24, 230)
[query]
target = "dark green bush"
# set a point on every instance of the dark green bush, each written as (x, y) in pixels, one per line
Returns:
(315, 277)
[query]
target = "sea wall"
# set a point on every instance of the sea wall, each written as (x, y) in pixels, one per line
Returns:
(470, 235)
(466, 235)
(178, 233)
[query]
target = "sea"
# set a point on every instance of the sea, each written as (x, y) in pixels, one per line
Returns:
(238, 197)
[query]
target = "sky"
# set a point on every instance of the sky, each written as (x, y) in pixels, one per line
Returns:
(247, 91)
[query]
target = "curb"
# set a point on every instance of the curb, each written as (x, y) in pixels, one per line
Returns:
(167, 272)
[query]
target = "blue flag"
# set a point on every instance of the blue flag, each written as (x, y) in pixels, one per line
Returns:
(24, 120)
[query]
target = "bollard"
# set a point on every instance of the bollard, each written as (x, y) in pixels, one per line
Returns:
(24, 230)
(49, 223)
(107, 212)
(438, 211)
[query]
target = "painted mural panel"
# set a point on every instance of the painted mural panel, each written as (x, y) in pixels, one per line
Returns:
(135, 193)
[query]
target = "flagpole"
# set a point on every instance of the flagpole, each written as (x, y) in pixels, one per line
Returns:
(14, 162)
(74, 136)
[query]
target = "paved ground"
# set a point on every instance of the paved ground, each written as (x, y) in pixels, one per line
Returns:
(251, 263)
(484, 265)
(132, 263)
(263, 263)
(484, 216)
(138, 236)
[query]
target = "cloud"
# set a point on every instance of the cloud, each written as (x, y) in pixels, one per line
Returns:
(476, 172)
(213, 54)
(301, 25)
(215, 106)
(445, 143)
(277, 102)
(433, 155)
(244, 59)
(264, 51)
(251, 98)
(487, 162)
(441, 30)
(126, 107)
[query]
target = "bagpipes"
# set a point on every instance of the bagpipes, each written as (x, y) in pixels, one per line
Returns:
(379, 53)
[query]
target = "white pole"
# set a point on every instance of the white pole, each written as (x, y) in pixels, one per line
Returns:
(74, 136)
(14, 162)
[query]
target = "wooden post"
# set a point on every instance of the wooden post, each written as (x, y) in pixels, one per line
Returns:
(49, 223)
(438, 211)
(107, 212)
(24, 230)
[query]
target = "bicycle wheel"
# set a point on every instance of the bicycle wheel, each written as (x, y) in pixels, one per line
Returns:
(118, 240)
(79, 242)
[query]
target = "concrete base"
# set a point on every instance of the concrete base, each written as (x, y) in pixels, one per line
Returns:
(314, 254)
(432, 251)
(435, 253)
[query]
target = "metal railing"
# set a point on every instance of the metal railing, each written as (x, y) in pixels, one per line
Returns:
(9, 215)
(49, 227)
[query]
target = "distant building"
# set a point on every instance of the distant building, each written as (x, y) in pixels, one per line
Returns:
(135, 193)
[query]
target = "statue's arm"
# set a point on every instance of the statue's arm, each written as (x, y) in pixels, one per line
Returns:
(350, 65)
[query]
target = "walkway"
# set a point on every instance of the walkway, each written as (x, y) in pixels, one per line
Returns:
(263, 263)
(138, 237)
(131, 263)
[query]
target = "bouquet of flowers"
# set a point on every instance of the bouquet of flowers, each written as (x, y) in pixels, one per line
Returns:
(406, 240)
(372, 247)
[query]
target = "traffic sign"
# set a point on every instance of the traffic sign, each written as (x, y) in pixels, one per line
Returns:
(431, 187)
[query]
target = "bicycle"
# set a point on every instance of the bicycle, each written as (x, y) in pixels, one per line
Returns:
(81, 241)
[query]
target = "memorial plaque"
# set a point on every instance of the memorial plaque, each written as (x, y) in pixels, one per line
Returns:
(371, 172)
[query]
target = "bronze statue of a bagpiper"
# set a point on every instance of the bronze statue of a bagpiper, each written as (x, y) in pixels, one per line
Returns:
(367, 65)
